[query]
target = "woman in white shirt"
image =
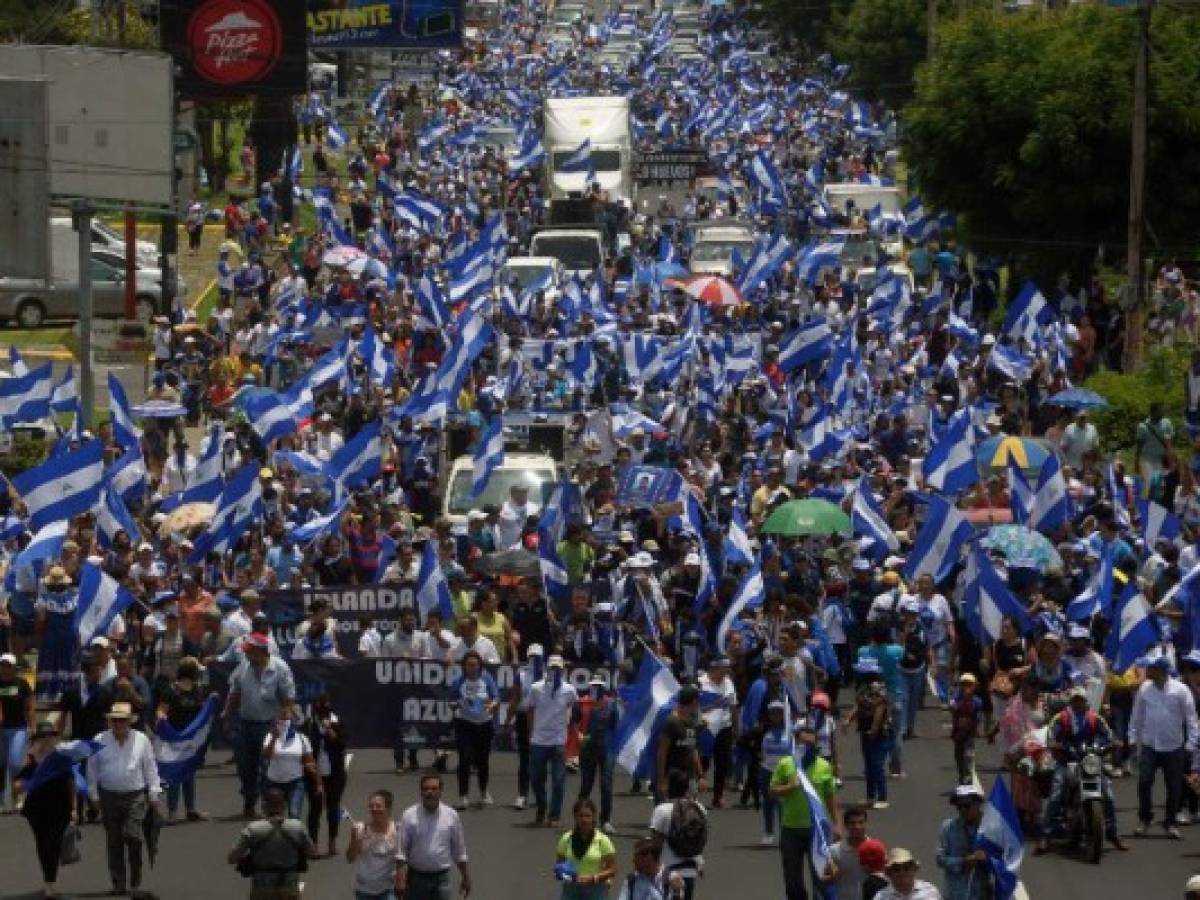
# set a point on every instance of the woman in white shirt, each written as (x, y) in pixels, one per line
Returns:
(374, 848)
(476, 699)
(290, 760)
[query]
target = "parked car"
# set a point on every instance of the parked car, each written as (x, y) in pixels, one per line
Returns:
(30, 303)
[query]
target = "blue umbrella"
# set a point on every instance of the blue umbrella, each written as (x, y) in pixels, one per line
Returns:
(1078, 398)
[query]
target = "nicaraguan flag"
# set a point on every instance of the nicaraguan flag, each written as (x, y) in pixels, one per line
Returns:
(336, 137)
(1020, 494)
(269, 415)
(112, 516)
(59, 761)
(987, 601)
(1119, 495)
(750, 595)
(1011, 362)
(320, 526)
(358, 460)
(125, 430)
(554, 572)
(63, 486)
(180, 754)
(46, 544)
(1133, 632)
(65, 397)
(101, 599)
(433, 591)
(1158, 523)
(999, 836)
(822, 832)
(127, 476)
(1097, 596)
(866, 518)
(489, 456)
(939, 542)
(16, 363)
(1051, 503)
(950, 466)
(26, 398)
(647, 703)
(737, 542)
(579, 159)
(809, 342)
(204, 484)
(240, 504)
(431, 302)
(1027, 311)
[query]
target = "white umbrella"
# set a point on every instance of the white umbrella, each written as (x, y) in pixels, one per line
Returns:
(339, 257)
(372, 267)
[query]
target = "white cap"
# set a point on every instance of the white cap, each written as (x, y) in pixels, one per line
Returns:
(893, 562)
(555, 662)
(692, 559)
(9, 659)
(535, 650)
(99, 641)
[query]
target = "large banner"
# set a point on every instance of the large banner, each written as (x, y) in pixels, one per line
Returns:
(235, 48)
(391, 702)
(348, 24)
(352, 606)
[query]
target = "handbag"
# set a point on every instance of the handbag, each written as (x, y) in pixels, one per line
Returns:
(1002, 685)
(69, 853)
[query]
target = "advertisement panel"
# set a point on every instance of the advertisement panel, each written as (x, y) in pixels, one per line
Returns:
(236, 48)
(361, 24)
(350, 605)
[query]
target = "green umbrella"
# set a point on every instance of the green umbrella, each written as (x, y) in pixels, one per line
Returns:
(797, 518)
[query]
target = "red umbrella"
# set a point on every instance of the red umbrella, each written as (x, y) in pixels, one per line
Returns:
(713, 290)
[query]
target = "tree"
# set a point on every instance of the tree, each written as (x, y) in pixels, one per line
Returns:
(1021, 125)
(883, 41)
(807, 22)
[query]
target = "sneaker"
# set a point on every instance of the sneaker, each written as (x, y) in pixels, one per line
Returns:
(1173, 833)
(464, 802)
(882, 804)
(486, 800)
(519, 803)
(607, 828)
(768, 840)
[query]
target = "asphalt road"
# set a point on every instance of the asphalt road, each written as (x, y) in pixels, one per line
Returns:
(510, 859)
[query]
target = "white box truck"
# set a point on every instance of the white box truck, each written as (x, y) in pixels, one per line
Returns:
(605, 121)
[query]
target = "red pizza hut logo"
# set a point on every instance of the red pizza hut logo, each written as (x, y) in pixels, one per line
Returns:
(235, 41)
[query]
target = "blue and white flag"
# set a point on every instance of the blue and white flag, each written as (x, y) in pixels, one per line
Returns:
(999, 836)
(112, 516)
(816, 258)
(866, 518)
(204, 484)
(431, 302)
(65, 397)
(269, 415)
(387, 553)
(378, 358)
(101, 599)
(26, 398)
(63, 486)
(239, 507)
(987, 601)
(1026, 313)
(579, 159)
(180, 754)
(1119, 496)
(125, 430)
(336, 137)
(1133, 631)
(1020, 494)
(433, 591)
(16, 363)
(64, 758)
(358, 460)
(1051, 502)
(737, 543)
(1158, 523)
(951, 466)
(318, 527)
(564, 506)
(1096, 598)
(489, 456)
(127, 476)
(554, 571)
(809, 342)
(823, 837)
(647, 703)
(47, 544)
(750, 595)
(1011, 362)
(940, 541)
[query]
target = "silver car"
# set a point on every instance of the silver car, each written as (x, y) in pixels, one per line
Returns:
(30, 303)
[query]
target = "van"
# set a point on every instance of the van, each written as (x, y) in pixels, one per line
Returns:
(528, 271)
(714, 243)
(580, 250)
(103, 237)
(536, 470)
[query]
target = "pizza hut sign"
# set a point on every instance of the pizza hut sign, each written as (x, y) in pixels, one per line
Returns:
(234, 41)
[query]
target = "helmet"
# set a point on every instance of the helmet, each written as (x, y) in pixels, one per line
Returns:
(820, 700)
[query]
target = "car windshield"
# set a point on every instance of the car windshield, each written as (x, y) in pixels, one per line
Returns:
(602, 160)
(721, 250)
(499, 137)
(540, 481)
(855, 249)
(575, 252)
(526, 275)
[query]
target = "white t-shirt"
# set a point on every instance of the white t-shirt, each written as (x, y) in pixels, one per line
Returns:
(287, 762)
(401, 645)
(660, 823)
(483, 646)
(719, 717)
(551, 712)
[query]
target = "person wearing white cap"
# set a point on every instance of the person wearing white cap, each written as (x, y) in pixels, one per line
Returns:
(549, 704)
(901, 871)
(966, 868)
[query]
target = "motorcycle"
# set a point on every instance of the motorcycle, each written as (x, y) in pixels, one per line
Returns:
(1081, 816)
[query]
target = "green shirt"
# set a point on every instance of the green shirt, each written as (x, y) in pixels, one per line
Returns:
(590, 863)
(793, 806)
(577, 559)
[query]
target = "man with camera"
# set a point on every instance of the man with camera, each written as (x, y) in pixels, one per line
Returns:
(273, 851)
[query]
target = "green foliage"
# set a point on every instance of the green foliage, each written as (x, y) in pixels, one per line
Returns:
(807, 22)
(1021, 125)
(1129, 397)
(883, 41)
(75, 27)
(26, 453)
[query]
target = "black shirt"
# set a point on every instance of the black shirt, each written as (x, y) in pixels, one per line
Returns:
(682, 736)
(13, 698)
(182, 706)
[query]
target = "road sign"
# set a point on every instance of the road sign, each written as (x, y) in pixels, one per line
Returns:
(671, 166)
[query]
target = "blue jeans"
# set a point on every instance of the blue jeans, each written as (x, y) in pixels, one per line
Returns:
(769, 803)
(188, 788)
(543, 760)
(247, 750)
(293, 791)
(875, 751)
(593, 761)
(914, 696)
(896, 750)
(12, 755)
(941, 671)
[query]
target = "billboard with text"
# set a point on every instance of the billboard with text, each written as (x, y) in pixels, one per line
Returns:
(346, 24)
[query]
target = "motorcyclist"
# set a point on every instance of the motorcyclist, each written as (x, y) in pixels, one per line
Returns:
(1073, 728)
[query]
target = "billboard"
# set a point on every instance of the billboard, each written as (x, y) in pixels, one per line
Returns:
(346, 24)
(236, 48)
(108, 120)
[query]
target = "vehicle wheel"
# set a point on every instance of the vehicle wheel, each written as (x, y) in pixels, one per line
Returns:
(145, 310)
(31, 314)
(1094, 829)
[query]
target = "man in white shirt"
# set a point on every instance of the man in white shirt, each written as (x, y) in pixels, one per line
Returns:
(470, 639)
(720, 717)
(406, 642)
(1163, 728)
(513, 514)
(1079, 438)
(549, 704)
(121, 776)
(431, 843)
(329, 441)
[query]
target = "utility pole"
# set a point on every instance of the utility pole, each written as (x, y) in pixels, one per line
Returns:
(1135, 261)
(82, 212)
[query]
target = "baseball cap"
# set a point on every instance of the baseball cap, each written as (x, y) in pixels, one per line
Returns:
(898, 856)
(8, 659)
(967, 678)
(255, 641)
(555, 662)
(966, 792)
(692, 559)
(1079, 633)
(535, 650)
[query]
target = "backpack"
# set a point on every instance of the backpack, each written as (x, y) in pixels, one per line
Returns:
(688, 832)
(247, 867)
